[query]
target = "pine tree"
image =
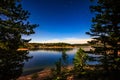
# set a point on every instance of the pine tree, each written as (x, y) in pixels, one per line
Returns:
(80, 60)
(13, 24)
(105, 30)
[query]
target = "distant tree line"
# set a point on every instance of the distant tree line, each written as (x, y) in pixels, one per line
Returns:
(38, 45)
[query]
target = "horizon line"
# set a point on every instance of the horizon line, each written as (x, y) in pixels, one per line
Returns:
(65, 40)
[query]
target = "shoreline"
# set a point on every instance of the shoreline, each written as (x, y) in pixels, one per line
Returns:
(41, 74)
(22, 49)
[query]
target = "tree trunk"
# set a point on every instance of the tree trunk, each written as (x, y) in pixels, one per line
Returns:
(115, 53)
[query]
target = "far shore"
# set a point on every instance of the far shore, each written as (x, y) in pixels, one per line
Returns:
(85, 48)
(22, 49)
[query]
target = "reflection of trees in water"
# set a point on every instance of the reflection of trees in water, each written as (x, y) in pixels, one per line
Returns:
(11, 63)
(64, 58)
(55, 49)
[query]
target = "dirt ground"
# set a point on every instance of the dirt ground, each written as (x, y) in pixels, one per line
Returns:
(41, 75)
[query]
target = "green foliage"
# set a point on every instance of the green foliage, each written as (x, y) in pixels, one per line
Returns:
(60, 72)
(105, 29)
(80, 60)
(13, 24)
(58, 67)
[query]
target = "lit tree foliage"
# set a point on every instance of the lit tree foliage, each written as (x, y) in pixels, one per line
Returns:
(80, 60)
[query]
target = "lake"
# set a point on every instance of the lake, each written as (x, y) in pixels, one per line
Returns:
(46, 59)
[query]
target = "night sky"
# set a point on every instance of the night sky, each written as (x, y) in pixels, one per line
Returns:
(59, 20)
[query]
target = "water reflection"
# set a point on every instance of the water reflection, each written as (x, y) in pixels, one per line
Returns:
(54, 49)
(47, 58)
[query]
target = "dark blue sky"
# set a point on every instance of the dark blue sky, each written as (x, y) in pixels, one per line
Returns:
(59, 20)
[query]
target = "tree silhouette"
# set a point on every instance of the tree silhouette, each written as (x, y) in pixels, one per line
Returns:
(13, 24)
(105, 30)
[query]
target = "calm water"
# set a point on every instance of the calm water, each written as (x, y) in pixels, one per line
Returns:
(46, 59)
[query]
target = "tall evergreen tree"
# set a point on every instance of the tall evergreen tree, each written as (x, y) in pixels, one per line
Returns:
(13, 24)
(105, 30)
